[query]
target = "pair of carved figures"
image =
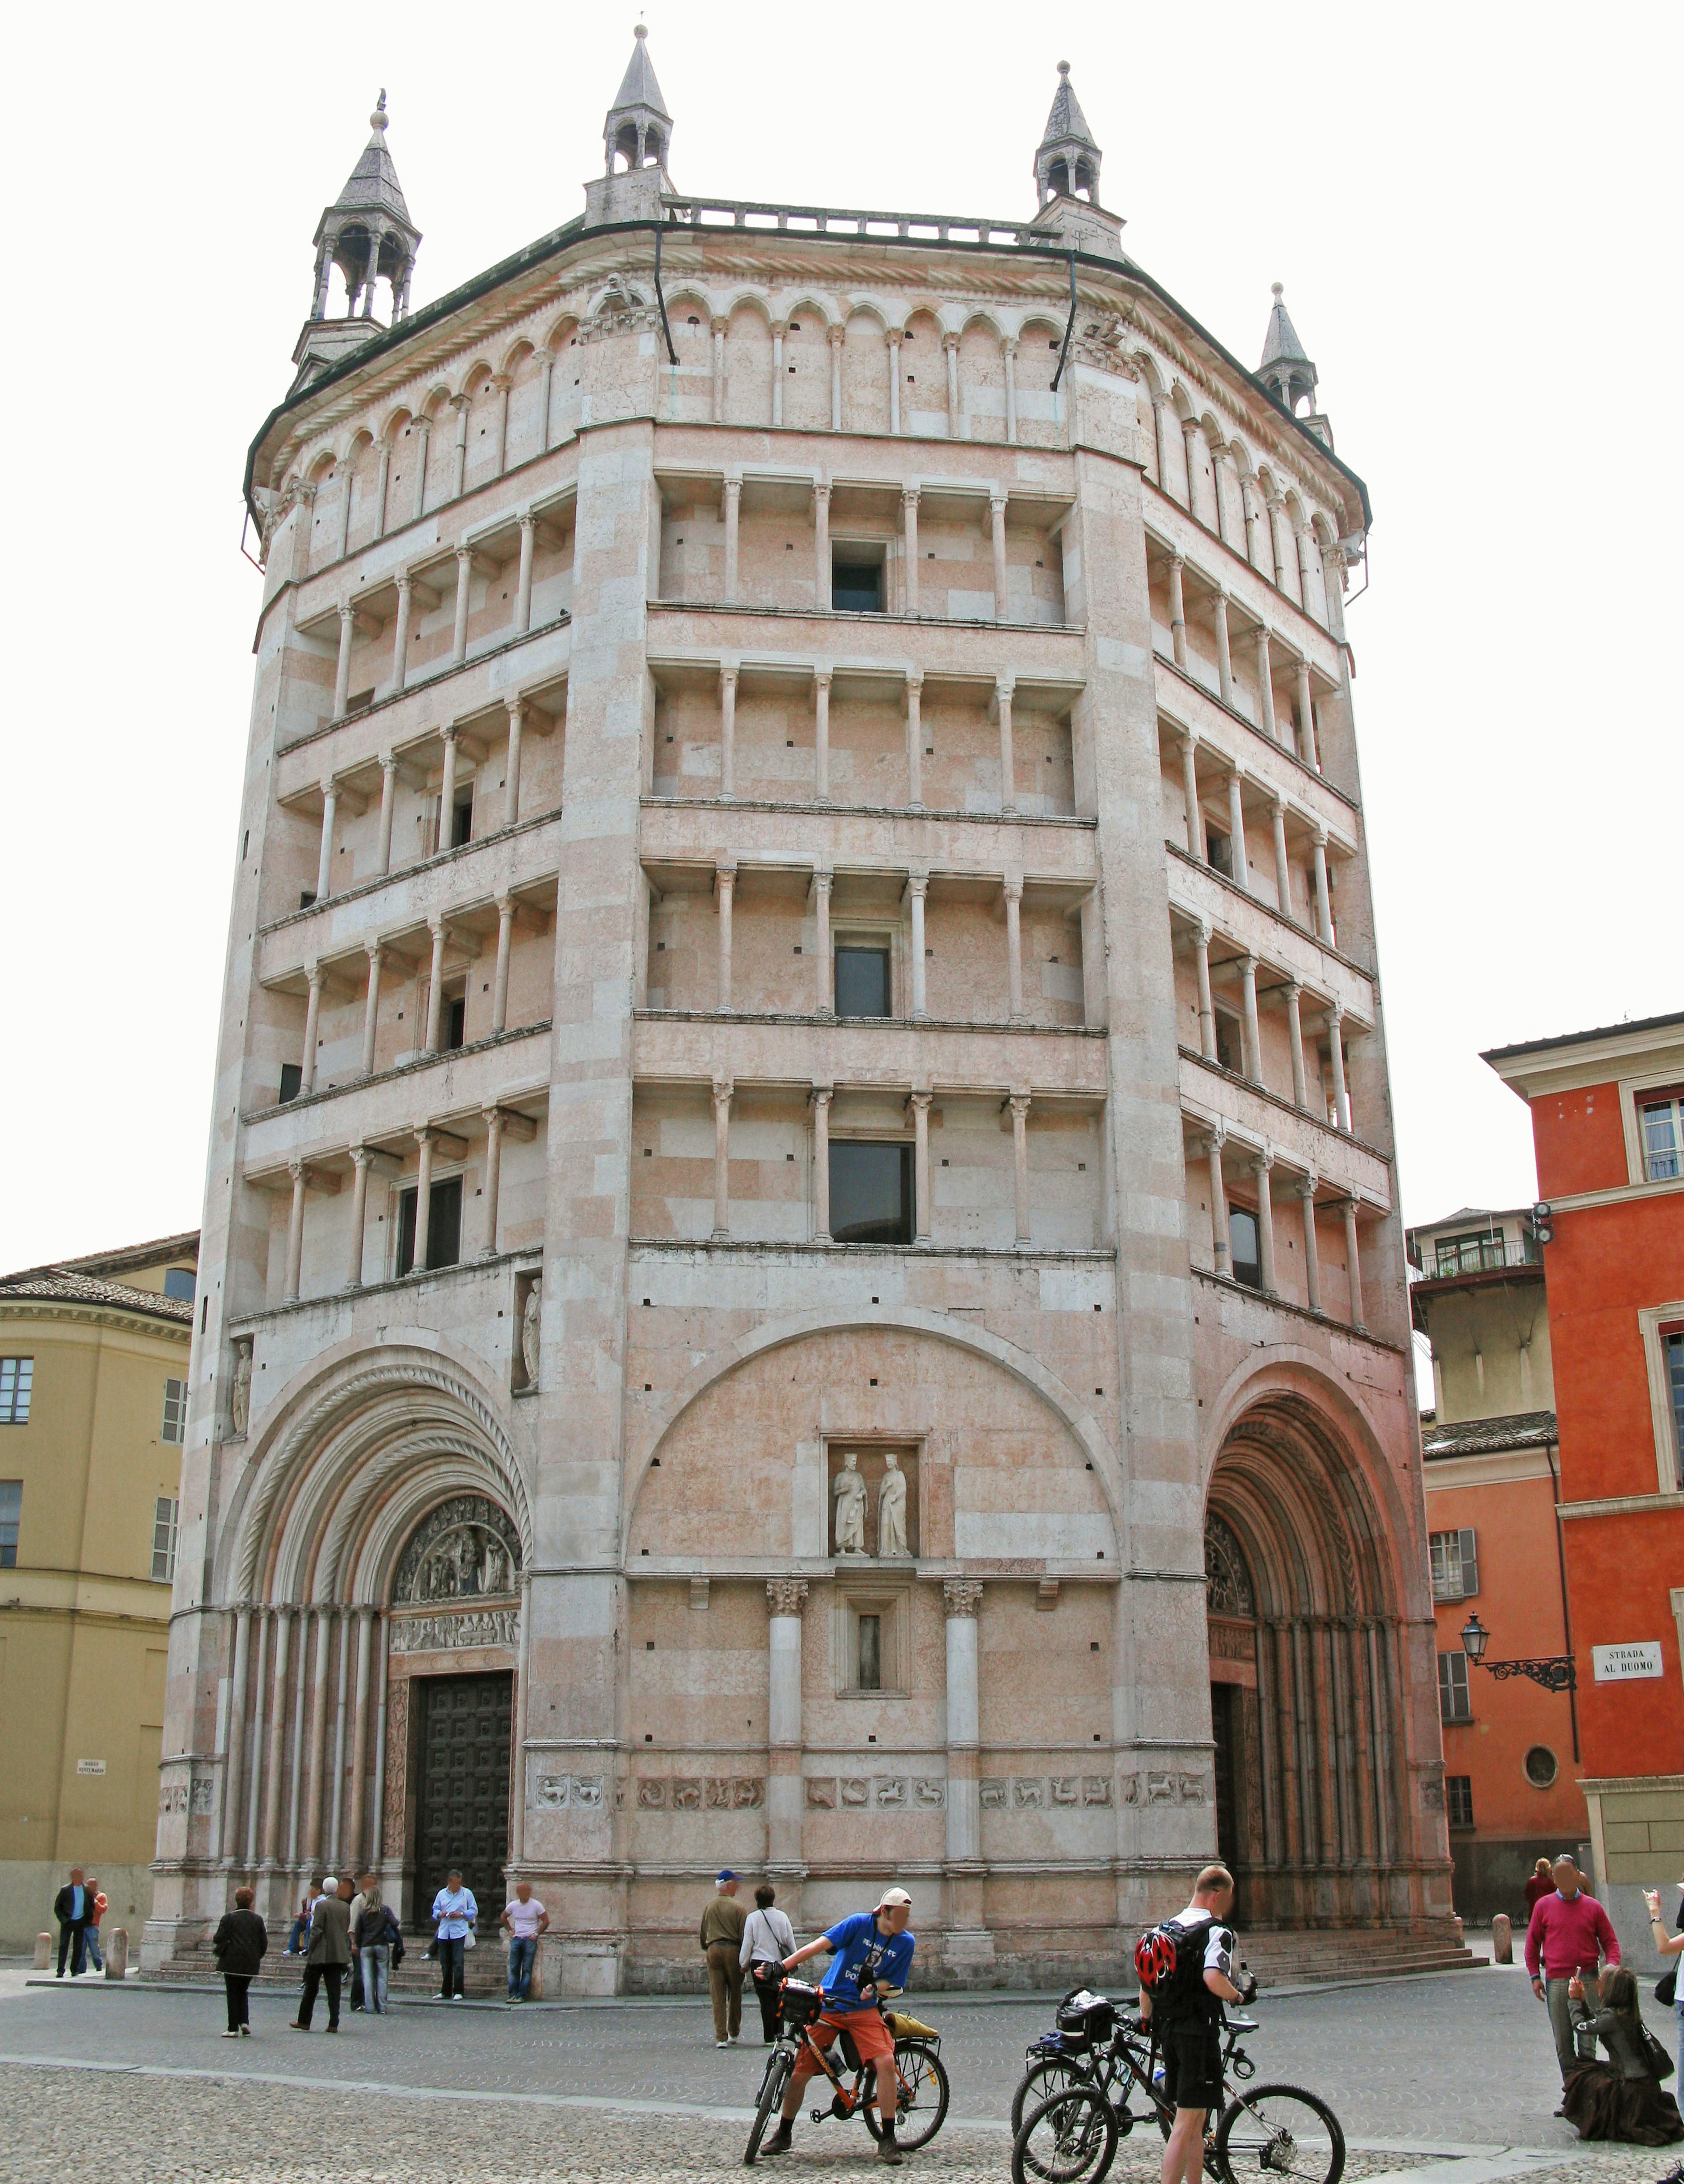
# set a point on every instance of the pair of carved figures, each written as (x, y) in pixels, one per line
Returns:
(848, 1496)
(464, 1565)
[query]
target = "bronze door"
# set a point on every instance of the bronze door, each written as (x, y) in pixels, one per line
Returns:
(464, 1802)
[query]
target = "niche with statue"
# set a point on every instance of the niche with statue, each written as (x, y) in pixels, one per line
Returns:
(873, 1499)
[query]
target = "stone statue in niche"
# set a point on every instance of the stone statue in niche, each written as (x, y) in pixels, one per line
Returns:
(530, 1316)
(240, 1400)
(891, 1510)
(848, 1493)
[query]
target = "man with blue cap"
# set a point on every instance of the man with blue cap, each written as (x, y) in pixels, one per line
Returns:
(721, 1942)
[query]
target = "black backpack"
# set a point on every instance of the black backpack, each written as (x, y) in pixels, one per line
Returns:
(1170, 1960)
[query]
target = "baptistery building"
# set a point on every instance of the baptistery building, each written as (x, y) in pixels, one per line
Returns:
(800, 1259)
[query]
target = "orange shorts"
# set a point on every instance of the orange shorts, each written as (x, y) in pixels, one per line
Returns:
(871, 2035)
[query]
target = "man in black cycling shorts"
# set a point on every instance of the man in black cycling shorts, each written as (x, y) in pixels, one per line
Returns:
(1187, 2013)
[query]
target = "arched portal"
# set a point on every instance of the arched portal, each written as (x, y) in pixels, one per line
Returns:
(1306, 1703)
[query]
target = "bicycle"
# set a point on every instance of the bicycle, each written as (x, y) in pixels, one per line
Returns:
(1070, 2136)
(921, 2080)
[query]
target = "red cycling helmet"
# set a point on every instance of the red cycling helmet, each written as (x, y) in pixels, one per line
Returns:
(1154, 1956)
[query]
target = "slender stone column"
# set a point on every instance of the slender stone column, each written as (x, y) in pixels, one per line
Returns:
(324, 863)
(949, 343)
(500, 385)
(424, 436)
(826, 967)
(1252, 1059)
(500, 986)
(260, 1703)
(234, 1757)
(1277, 510)
(372, 275)
(1307, 560)
(1159, 440)
(345, 512)
(1260, 1171)
(785, 1794)
(777, 333)
(459, 470)
(277, 1737)
(722, 1090)
(894, 381)
(318, 1734)
(435, 987)
(314, 973)
(1283, 870)
(1218, 1204)
(728, 732)
(1306, 1197)
(336, 1837)
(1019, 1105)
(546, 380)
(920, 1106)
(1286, 1736)
(718, 328)
(423, 1198)
(295, 1229)
(1334, 1024)
(360, 1158)
(1003, 691)
(996, 506)
(1206, 1012)
(1307, 719)
(493, 1177)
(383, 1657)
(836, 335)
(1266, 686)
(511, 770)
(1178, 611)
(725, 888)
(1190, 793)
(459, 639)
(1324, 902)
(1295, 1040)
(324, 275)
(342, 680)
(1010, 348)
(918, 886)
(915, 741)
(821, 543)
(1190, 439)
(909, 511)
(1224, 658)
(1220, 457)
(822, 1098)
(1014, 948)
(1353, 1263)
(1241, 873)
(1249, 508)
(359, 1718)
(961, 1597)
(822, 736)
(523, 588)
(382, 482)
(376, 955)
(400, 642)
(388, 798)
(733, 509)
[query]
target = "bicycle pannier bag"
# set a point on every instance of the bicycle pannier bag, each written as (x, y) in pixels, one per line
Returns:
(801, 2003)
(1086, 2018)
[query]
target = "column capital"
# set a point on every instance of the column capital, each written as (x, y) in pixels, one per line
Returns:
(780, 328)
(822, 678)
(502, 380)
(1178, 560)
(1011, 885)
(949, 340)
(1018, 1102)
(388, 761)
(1010, 345)
(347, 612)
(526, 520)
(1320, 833)
(784, 1596)
(1293, 988)
(300, 1171)
(1005, 688)
(1277, 805)
(361, 1156)
(821, 489)
(1204, 934)
(1333, 1015)
(1190, 426)
(515, 704)
(1261, 1163)
(915, 680)
(962, 1595)
(1248, 966)
(909, 496)
(718, 326)
(822, 1094)
(505, 905)
(920, 1100)
(1215, 1138)
(917, 883)
(835, 336)
(404, 580)
(1190, 739)
(723, 1089)
(375, 951)
(733, 488)
(896, 336)
(822, 881)
(465, 555)
(449, 732)
(1307, 1187)
(728, 676)
(997, 502)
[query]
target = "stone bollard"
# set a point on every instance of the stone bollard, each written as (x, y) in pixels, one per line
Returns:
(43, 1952)
(1501, 1939)
(117, 1954)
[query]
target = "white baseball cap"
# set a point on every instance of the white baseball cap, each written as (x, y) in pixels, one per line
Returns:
(891, 1897)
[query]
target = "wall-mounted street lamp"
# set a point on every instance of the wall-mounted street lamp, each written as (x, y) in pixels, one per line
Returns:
(1555, 1671)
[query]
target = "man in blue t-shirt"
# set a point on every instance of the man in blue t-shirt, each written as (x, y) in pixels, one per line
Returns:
(872, 1954)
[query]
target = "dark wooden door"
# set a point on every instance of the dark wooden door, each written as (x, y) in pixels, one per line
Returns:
(1224, 1720)
(463, 1816)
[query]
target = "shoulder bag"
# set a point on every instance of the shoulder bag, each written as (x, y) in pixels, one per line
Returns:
(1666, 1986)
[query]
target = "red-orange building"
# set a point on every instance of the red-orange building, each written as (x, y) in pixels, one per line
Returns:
(1608, 1128)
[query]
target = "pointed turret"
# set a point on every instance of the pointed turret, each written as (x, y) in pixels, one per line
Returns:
(1285, 370)
(368, 234)
(637, 138)
(1067, 165)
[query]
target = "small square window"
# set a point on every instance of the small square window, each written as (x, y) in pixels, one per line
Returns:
(856, 585)
(181, 1283)
(862, 982)
(174, 1427)
(871, 1192)
(17, 1379)
(166, 1512)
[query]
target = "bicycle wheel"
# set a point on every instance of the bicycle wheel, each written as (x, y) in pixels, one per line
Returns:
(1279, 2131)
(921, 2105)
(779, 2065)
(1046, 2076)
(1069, 2139)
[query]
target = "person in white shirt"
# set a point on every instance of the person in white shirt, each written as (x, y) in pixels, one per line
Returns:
(767, 1938)
(523, 1921)
(454, 1914)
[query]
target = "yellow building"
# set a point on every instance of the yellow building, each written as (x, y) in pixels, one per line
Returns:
(93, 1373)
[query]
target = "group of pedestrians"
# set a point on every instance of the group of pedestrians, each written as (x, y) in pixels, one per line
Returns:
(734, 1942)
(79, 1907)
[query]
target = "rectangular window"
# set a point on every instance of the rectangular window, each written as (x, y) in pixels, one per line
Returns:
(181, 1283)
(462, 820)
(1242, 1241)
(1660, 1126)
(175, 1411)
(1672, 1356)
(443, 1226)
(1455, 1565)
(292, 1082)
(861, 980)
(856, 584)
(11, 1515)
(871, 1653)
(1458, 1800)
(1455, 1703)
(1228, 1048)
(17, 1377)
(871, 1192)
(164, 1540)
(456, 1021)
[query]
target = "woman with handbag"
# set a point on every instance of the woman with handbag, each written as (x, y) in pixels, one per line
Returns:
(1623, 2097)
(1669, 1945)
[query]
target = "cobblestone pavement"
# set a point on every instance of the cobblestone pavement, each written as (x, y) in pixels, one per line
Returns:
(1431, 2078)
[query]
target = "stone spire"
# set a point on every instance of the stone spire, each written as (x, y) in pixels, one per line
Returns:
(1285, 370)
(1067, 166)
(368, 234)
(638, 129)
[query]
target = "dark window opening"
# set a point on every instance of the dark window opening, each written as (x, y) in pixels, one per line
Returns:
(1242, 1238)
(1221, 851)
(862, 982)
(871, 1652)
(306, 897)
(871, 1192)
(291, 1078)
(443, 1226)
(181, 1283)
(462, 821)
(456, 1019)
(855, 586)
(1227, 1041)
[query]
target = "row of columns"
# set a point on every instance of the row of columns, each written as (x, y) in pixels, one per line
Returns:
(1261, 1165)
(1241, 874)
(1251, 1054)
(719, 328)
(910, 496)
(919, 1101)
(336, 1816)
(1279, 727)
(1291, 551)
(1327, 1701)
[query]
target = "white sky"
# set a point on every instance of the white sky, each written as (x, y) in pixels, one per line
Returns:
(1465, 204)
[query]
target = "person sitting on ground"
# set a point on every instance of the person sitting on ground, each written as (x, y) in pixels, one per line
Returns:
(871, 1957)
(1622, 2098)
(299, 1933)
(240, 1945)
(767, 1938)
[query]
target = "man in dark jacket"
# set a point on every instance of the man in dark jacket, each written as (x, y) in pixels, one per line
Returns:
(327, 1955)
(239, 1945)
(73, 1908)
